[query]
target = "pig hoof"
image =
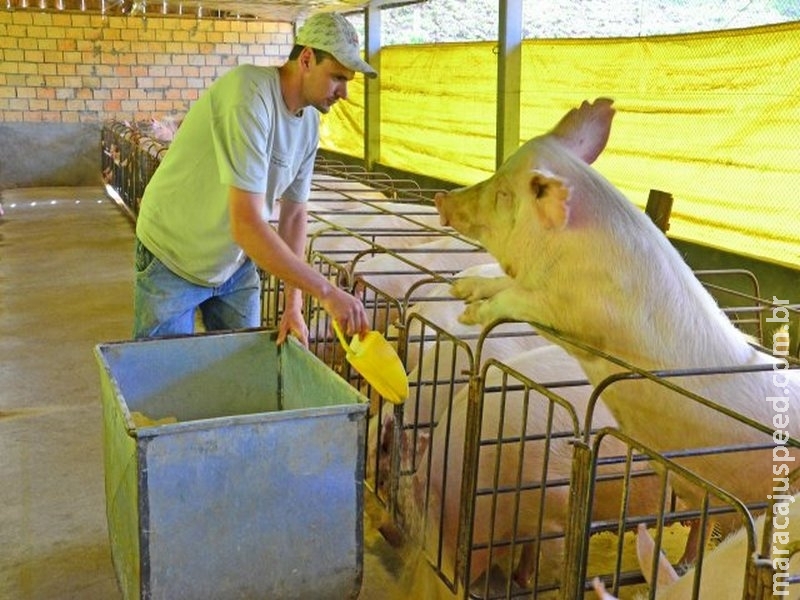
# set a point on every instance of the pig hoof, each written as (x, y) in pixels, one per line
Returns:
(467, 288)
(460, 289)
(470, 315)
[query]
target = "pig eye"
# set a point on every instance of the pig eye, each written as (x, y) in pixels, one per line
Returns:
(501, 197)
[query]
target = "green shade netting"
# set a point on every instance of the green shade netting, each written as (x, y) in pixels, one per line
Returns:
(713, 119)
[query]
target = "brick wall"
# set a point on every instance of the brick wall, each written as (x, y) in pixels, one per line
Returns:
(72, 67)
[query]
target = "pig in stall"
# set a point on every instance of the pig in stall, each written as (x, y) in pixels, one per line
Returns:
(344, 234)
(581, 259)
(440, 356)
(723, 569)
(432, 501)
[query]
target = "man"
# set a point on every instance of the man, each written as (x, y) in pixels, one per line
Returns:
(202, 227)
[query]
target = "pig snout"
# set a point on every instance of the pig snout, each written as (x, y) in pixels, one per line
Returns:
(457, 209)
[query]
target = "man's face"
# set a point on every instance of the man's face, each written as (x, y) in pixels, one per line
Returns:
(325, 82)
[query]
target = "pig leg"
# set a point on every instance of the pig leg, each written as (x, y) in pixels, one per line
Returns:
(510, 303)
(479, 288)
(526, 567)
(692, 549)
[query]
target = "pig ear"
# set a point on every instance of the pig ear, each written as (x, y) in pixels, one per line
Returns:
(550, 199)
(645, 548)
(584, 130)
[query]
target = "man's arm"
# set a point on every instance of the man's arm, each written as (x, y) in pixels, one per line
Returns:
(292, 230)
(267, 248)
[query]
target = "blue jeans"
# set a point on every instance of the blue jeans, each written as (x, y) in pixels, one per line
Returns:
(165, 303)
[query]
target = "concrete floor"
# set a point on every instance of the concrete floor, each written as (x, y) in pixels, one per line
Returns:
(65, 286)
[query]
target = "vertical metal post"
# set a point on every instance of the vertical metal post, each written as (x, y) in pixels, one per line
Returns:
(580, 499)
(659, 208)
(468, 483)
(509, 66)
(372, 99)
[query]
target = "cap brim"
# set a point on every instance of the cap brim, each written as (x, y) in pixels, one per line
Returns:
(361, 66)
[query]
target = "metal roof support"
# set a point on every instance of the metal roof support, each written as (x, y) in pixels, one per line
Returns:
(372, 98)
(509, 65)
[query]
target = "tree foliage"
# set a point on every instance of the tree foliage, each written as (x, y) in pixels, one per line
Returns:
(470, 20)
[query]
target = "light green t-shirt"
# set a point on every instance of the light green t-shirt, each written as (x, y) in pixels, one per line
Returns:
(239, 133)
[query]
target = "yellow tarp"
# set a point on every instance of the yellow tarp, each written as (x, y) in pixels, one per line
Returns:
(713, 119)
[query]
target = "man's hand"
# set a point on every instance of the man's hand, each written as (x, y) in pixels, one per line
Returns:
(292, 322)
(347, 310)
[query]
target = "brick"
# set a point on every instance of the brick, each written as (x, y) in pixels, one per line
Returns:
(81, 21)
(94, 105)
(34, 56)
(28, 44)
(65, 69)
(48, 44)
(10, 116)
(24, 18)
(66, 45)
(52, 56)
(129, 106)
(62, 20)
(13, 55)
(34, 80)
(36, 31)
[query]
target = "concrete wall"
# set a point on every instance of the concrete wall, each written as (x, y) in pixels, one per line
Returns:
(62, 74)
(44, 154)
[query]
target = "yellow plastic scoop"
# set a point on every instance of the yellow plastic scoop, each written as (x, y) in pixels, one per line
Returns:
(377, 362)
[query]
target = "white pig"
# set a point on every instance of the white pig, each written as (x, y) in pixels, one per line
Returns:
(581, 259)
(394, 274)
(723, 568)
(440, 472)
(343, 234)
(438, 367)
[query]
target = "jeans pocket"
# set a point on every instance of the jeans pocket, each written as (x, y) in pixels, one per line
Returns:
(144, 258)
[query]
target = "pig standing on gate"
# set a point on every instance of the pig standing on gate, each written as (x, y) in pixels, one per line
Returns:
(581, 259)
